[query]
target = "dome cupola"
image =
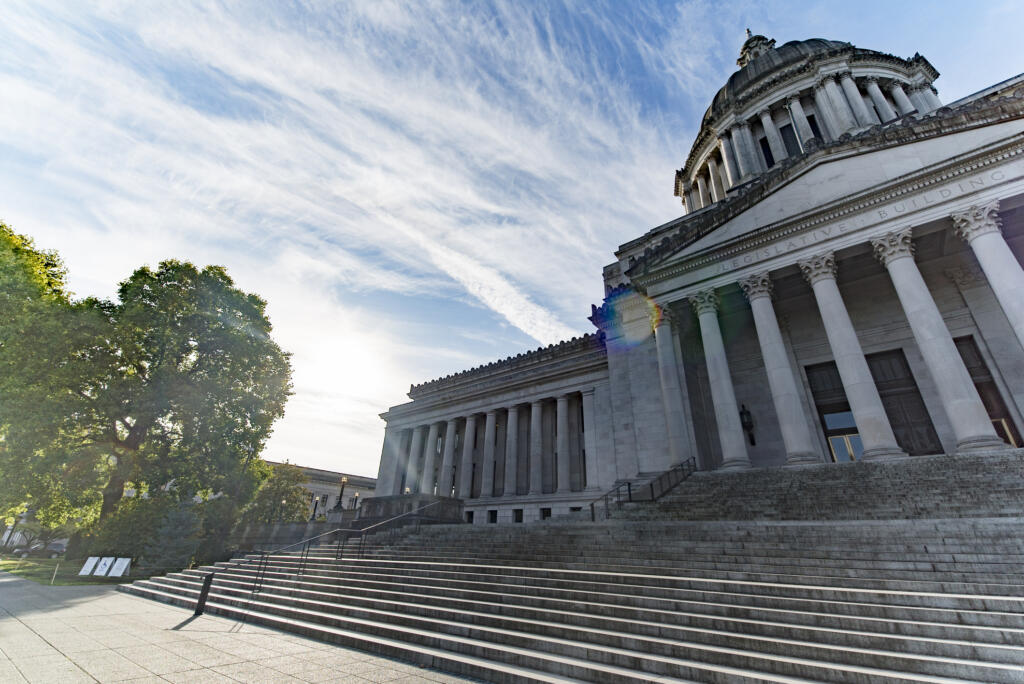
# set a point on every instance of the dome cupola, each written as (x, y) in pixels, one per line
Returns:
(783, 98)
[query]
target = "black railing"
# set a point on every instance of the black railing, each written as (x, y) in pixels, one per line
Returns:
(343, 534)
(619, 494)
(627, 492)
(662, 484)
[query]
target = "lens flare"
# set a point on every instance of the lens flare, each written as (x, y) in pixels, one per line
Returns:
(630, 319)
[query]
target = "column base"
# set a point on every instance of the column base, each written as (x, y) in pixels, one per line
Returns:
(982, 443)
(883, 454)
(803, 458)
(735, 464)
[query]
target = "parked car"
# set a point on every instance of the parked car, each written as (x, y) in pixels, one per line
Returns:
(51, 550)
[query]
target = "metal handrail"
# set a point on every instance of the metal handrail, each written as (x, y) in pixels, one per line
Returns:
(657, 488)
(263, 560)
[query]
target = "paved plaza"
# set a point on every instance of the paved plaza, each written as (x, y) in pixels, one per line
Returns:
(97, 634)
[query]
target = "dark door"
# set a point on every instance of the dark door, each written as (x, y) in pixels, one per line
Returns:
(834, 413)
(986, 386)
(903, 403)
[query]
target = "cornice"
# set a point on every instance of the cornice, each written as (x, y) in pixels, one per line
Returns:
(543, 359)
(687, 230)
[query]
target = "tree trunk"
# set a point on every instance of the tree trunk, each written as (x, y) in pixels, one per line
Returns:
(112, 495)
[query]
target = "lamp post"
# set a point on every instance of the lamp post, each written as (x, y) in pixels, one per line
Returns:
(355, 501)
(344, 481)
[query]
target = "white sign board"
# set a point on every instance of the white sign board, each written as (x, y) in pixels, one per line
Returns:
(103, 566)
(90, 563)
(121, 567)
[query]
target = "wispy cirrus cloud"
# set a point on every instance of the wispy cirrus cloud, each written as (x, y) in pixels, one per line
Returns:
(413, 187)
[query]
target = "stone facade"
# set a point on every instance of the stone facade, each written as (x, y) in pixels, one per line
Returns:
(324, 486)
(845, 284)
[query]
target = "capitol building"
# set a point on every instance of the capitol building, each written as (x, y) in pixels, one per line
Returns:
(844, 283)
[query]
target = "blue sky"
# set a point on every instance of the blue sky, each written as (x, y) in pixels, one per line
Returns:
(415, 187)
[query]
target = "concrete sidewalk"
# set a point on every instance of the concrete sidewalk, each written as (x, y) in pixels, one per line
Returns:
(97, 634)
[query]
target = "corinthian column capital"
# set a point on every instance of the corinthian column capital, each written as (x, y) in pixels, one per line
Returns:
(894, 245)
(704, 301)
(757, 285)
(818, 267)
(978, 220)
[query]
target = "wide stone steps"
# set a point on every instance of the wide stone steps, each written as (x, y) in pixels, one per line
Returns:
(500, 599)
(650, 655)
(646, 623)
(1008, 569)
(718, 602)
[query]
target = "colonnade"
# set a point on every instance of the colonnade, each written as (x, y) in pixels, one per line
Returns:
(522, 449)
(843, 102)
(980, 227)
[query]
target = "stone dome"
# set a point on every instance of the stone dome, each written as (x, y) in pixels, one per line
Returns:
(767, 62)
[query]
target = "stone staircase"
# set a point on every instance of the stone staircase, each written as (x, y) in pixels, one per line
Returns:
(950, 486)
(658, 600)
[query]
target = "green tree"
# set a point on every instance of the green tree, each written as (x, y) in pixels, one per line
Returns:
(174, 386)
(281, 497)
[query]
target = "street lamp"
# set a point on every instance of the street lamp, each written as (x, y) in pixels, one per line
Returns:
(344, 481)
(355, 501)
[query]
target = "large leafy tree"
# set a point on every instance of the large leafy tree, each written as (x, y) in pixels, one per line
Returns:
(175, 385)
(281, 497)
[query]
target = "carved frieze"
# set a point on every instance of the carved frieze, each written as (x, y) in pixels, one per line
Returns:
(818, 267)
(894, 245)
(978, 220)
(757, 285)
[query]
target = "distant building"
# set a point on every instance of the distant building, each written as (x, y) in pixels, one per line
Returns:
(845, 283)
(325, 485)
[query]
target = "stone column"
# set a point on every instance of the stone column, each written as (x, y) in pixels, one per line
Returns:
(841, 111)
(429, 461)
(885, 110)
(415, 452)
(856, 100)
(728, 161)
(903, 102)
(827, 123)
(966, 413)
(872, 114)
(981, 228)
(727, 410)
(800, 123)
(590, 438)
(692, 201)
(868, 412)
(562, 438)
(743, 161)
(782, 382)
(536, 449)
(717, 190)
(490, 429)
(511, 450)
(751, 149)
(775, 143)
(446, 476)
(702, 188)
(671, 394)
(388, 477)
(466, 469)
(916, 93)
(931, 96)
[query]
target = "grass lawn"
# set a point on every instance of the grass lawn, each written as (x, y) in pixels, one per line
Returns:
(40, 570)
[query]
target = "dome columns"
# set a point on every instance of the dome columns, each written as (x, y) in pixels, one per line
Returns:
(796, 113)
(702, 189)
(716, 187)
(885, 110)
(731, 175)
(903, 102)
(856, 100)
(842, 114)
(771, 132)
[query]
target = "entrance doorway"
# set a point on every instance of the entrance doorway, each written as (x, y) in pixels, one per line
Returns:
(900, 396)
(986, 386)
